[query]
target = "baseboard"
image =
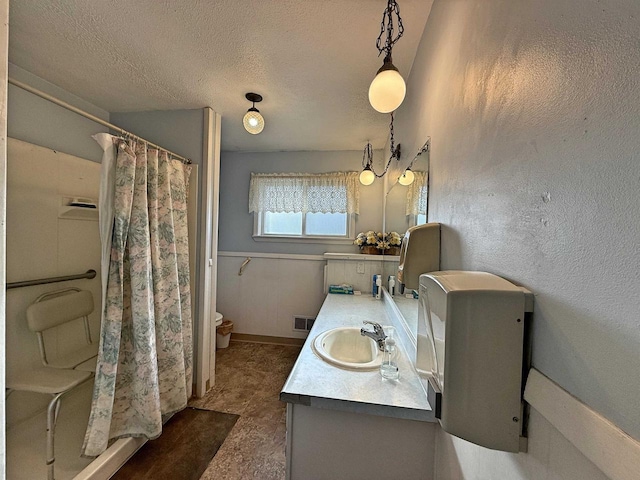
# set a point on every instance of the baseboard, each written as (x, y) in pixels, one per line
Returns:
(247, 337)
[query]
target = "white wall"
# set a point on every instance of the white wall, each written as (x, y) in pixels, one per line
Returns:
(345, 271)
(533, 111)
(272, 289)
(550, 456)
(276, 287)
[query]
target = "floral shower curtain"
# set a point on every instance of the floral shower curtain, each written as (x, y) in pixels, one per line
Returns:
(144, 370)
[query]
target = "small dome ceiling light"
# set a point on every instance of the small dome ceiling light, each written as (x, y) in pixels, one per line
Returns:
(253, 122)
(388, 88)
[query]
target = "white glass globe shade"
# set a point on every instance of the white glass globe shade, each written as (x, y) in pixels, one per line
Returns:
(367, 177)
(253, 122)
(387, 91)
(406, 178)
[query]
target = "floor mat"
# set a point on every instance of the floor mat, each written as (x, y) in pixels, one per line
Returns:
(187, 444)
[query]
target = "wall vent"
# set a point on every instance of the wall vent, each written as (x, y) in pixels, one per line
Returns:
(302, 323)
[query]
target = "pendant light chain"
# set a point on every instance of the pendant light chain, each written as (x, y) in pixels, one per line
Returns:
(387, 25)
(367, 155)
(387, 90)
(392, 145)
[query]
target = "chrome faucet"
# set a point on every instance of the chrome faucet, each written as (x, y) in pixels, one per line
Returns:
(378, 333)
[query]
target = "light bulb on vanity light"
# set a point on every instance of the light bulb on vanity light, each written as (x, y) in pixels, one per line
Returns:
(407, 177)
(367, 176)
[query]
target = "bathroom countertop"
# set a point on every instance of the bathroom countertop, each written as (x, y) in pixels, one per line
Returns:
(313, 382)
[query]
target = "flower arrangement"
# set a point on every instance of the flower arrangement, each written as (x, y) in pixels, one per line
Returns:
(393, 239)
(392, 242)
(367, 239)
(377, 242)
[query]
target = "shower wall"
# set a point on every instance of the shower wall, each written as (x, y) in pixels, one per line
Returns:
(42, 244)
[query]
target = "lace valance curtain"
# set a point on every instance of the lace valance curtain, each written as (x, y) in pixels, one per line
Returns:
(335, 192)
(417, 194)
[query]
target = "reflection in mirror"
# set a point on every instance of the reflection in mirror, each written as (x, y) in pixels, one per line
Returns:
(408, 307)
(406, 206)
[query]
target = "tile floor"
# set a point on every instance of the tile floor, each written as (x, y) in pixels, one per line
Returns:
(249, 377)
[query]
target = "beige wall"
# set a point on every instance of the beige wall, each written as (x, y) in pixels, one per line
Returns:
(533, 112)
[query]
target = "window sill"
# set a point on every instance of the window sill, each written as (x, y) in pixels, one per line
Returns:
(325, 240)
(361, 257)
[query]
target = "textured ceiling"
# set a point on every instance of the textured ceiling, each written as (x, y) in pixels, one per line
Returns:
(311, 60)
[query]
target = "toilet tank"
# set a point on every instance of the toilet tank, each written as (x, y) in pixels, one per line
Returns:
(471, 328)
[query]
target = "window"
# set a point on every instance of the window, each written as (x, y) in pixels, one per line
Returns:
(299, 225)
(417, 195)
(304, 206)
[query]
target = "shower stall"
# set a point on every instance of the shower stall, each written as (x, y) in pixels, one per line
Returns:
(53, 238)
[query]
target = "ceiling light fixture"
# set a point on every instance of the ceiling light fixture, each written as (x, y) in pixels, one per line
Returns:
(253, 122)
(388, 89)
(368, 174)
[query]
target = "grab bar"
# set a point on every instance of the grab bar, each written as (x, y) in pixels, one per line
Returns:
(41, 281)
(244, 264)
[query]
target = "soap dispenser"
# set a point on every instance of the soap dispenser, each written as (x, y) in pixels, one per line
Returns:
(392, 285)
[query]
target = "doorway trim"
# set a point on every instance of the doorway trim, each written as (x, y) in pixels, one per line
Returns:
(207, 281)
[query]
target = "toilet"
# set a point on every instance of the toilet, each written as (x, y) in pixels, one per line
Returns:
(218, 319)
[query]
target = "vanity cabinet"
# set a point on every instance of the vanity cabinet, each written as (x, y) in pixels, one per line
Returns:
(331, 444)
(350, 425)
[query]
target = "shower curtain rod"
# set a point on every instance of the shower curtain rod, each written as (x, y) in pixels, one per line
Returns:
(93, 118)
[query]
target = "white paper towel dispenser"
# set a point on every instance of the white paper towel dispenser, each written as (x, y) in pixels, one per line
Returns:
(471, 328)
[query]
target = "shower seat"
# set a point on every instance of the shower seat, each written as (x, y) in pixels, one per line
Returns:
(62, 374)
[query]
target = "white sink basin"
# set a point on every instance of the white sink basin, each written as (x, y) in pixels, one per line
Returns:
(345, 347)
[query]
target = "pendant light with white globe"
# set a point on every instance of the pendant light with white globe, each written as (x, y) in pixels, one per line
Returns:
(253, 121)
(387, 90)
(407, 177)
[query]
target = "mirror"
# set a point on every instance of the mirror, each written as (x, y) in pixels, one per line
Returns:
(395, 219)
